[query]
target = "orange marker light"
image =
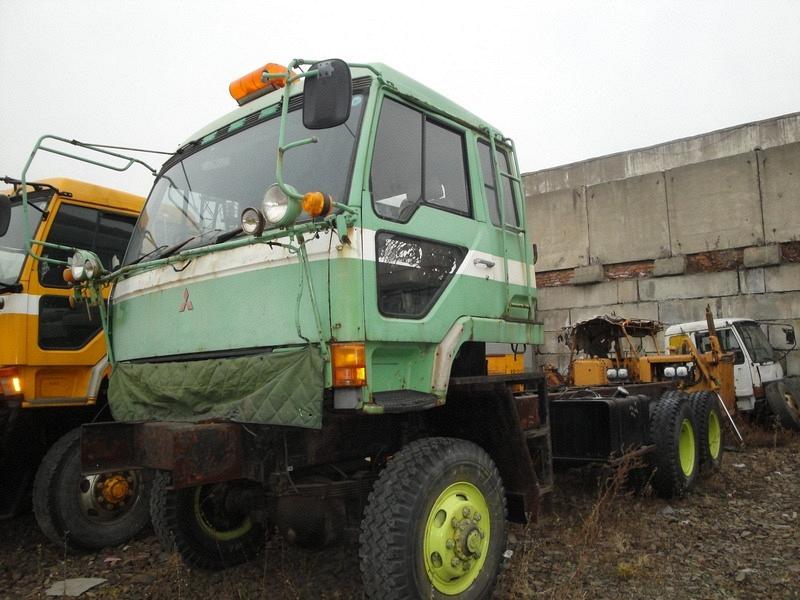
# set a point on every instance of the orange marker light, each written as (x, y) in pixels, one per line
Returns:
(316, 204)
(67, 275)
(252, 83)
(349, 365)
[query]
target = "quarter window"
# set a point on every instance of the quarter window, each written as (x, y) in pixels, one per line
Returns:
(417, 161)
(490, 179)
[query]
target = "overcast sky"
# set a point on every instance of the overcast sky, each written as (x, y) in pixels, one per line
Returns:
(566, 80)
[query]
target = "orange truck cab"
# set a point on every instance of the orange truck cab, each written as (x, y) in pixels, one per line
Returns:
(53, 363)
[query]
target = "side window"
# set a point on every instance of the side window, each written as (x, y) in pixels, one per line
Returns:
(65, 328)
(412, 272)
(727, 341)
(106, 234)
(416, 160)
(490, 185)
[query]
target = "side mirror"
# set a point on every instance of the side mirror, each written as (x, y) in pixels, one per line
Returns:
(327, 97)
(781, 336)
(5, 214)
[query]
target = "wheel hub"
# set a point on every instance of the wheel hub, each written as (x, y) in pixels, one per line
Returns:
(456, 538)
(115, 489)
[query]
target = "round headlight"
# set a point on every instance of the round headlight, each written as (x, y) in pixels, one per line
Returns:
(623, 373)
(669, 372)
(76, 267)
(682, 372)
(611, 374)
(278, 208)
(92, 268)
(252, 221)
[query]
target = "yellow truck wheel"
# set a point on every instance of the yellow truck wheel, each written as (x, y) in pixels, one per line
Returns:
(87, 512)
(435, 523)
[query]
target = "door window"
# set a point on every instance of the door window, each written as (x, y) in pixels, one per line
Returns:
(106, 234)
(727, 341)
(417, 161)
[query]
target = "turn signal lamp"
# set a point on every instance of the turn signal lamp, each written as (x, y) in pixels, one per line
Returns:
(245, 88)
(10, 382)
(316, 204)
(349, 365)
(67, 275)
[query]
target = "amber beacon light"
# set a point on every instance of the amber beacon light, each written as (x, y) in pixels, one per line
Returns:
(254, 82)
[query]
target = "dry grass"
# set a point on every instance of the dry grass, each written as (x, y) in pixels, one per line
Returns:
(765, 436)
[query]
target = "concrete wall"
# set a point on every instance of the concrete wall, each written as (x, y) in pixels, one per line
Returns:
(664, 231)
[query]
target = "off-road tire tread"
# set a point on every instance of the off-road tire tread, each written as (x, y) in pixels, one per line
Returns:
(702, 404)
(164, 515)
(381, 554)
(162, 480)
(668, 479)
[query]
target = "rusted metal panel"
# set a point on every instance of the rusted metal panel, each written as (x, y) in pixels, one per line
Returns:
(195, 453)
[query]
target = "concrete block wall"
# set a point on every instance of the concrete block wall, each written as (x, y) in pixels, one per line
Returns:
(662, 232)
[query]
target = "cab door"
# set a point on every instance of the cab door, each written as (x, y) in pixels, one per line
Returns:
(65, 342)
(434, 261)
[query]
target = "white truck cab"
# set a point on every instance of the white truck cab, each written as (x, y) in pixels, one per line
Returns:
(756, 352)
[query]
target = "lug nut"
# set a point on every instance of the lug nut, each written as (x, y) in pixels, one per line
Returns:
(477, 554)
(465, 512)
(477, 516)
(449, 544)
(454, 523)
(455, 562)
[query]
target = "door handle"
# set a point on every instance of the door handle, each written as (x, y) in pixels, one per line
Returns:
(483, 262)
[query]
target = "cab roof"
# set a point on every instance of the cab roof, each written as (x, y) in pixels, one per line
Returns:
(93, 193)
(393, 79)
(702, 325)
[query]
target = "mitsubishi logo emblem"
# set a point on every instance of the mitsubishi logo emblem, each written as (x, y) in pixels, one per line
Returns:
(186, 304)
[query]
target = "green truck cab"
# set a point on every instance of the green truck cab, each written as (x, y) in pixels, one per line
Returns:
(299, 333)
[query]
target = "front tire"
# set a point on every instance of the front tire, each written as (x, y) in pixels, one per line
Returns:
(675, 457)
(435, 523)
(195, 521)
(86, 512)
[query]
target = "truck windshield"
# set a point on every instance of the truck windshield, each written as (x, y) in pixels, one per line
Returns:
(12, 244)
(755, 341)
(202, 196)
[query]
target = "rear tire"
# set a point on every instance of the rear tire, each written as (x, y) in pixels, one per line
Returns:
(675, 457)
(710, 438)
(194, 521)
(87, 512)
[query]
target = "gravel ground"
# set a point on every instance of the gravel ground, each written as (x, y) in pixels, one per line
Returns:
(736, 536)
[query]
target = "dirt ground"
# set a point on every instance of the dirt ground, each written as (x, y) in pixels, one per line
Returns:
(736, 536)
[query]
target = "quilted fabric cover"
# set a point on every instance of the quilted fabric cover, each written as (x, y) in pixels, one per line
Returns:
(277, 388)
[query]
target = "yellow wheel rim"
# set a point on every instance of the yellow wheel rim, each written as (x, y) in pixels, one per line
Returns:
(456, 538)
(686, 450)
(714, 435)
(211, 530)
